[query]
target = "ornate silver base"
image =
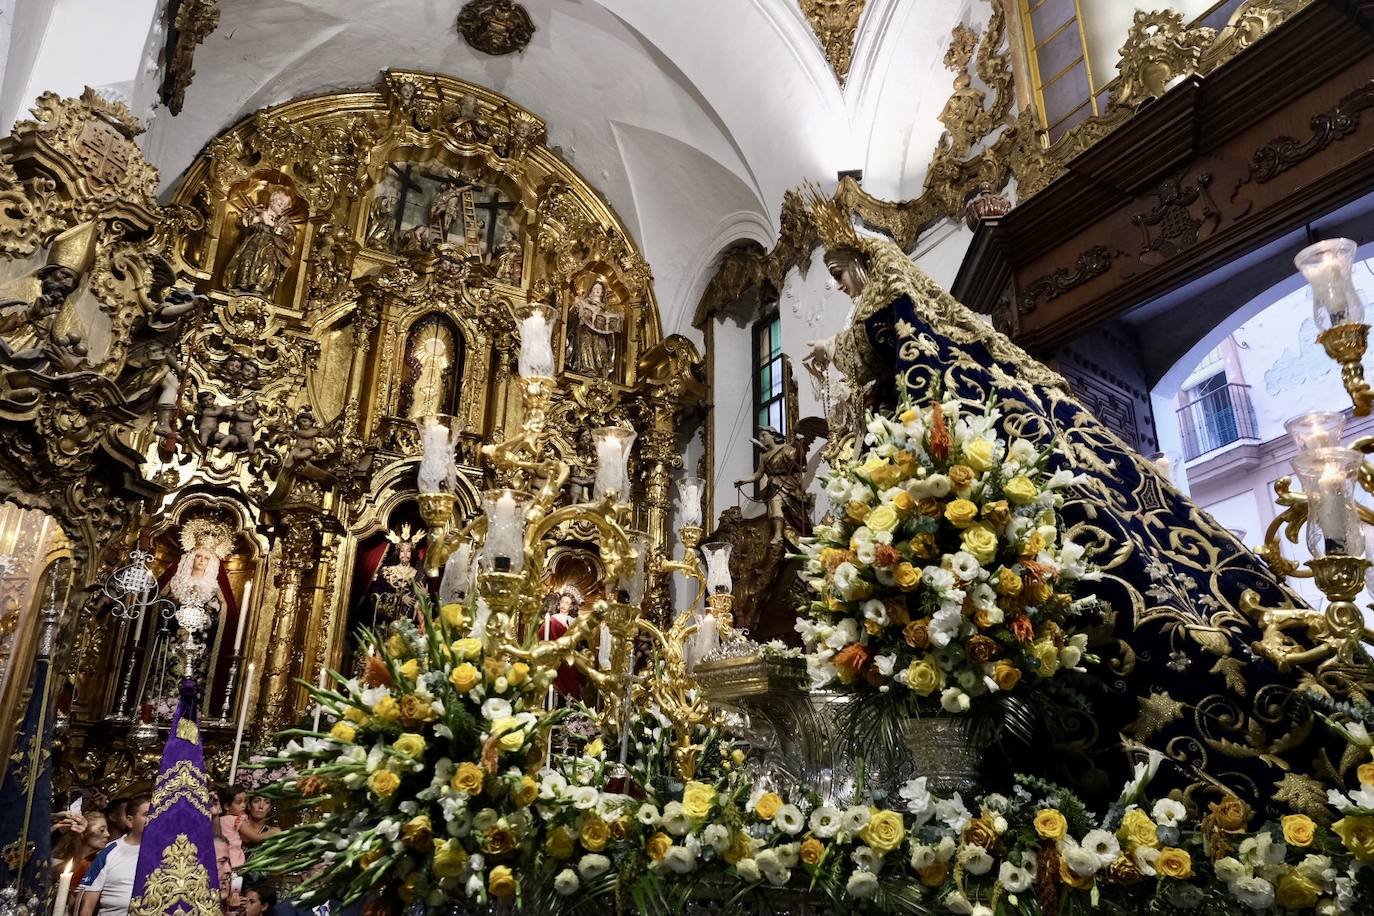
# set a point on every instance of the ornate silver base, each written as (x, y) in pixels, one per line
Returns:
(941, 752)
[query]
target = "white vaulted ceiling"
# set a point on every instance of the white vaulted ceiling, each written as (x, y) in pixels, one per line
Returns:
(692, 116)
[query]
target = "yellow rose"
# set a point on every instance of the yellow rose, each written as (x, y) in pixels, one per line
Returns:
(450, 859)
(519, 673)
(369, 858)
(344, 732)
(981, 541)
(1072, 878)
(410, 744)
(395, 645)
(501, 882)
(978, 455)
(411, 670)
(418, 831)
(934, 874)
(1296, 891)
(560, 843)
(908, 576)
(1047, 654)
(961, 477)
(812, 851)
(856, 512)
(414, 709)
(767, 806)
(354, 714)
(1008, 582)
(407, 889)
(595, 749)
(468, 778)
(1137, 828)
(741, 847)
(1020, 490)
(925, 677)
(737, 756)
(884, 831)
(1006, 675)
(383, 783)
(467, 648)
(454, 615)
(883, 518)
(697, 798)
(387, 709)
(594, 834)
(961, 513)
(1298, 829)
(1050, 824)
(620, 828)
(526, 792)
(1174, 863)
(903, 501)
(1357, 833)
(886, 476)
(1365, 774)
(463, 678)
(997, 513)
(658, 846)
(512, 741)
(1034, 544)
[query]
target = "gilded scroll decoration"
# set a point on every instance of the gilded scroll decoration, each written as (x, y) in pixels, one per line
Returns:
(835, 23)
(495, 27)
(191, 23)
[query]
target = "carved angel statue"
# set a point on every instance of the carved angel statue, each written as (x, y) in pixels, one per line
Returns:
(263, 253)
(153, 369)
(781, 476)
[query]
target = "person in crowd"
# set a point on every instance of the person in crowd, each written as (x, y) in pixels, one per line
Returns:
(259, 900)
(253, 828)
(79, 849)
(109, 881)
(233, 805)
(117, 818)
(230, 900)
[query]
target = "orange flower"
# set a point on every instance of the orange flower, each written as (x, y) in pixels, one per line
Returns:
(940, 439)
(886, 555)
(981, 649)
(1022, 628)
(376, 674)
(917, 634)
(852, 659)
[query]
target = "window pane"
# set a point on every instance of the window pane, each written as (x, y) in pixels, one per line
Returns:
(776, 389)
(1049, 16)
(1057, 53)
(775, 412)
(775, 332)
(765, 382)
(1066, 94)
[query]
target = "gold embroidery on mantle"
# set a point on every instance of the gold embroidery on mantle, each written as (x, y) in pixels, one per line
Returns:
(180, 884)
(187, 731)
(184, 782)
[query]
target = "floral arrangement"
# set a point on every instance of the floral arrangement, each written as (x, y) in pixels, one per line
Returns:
(420, 789)
(943, 570)
(430, 785)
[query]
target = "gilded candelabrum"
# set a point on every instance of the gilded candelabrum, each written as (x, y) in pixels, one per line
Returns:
(1338, 310)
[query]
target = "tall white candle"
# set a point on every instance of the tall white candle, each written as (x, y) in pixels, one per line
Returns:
(64, 883)
(536, 349)
(324, 679)
(245, 701)
(243, 615)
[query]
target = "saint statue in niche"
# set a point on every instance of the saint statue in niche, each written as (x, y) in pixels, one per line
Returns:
(560, 607)
(596, 333)
(391, 590)
(433, 362)
(263, 253)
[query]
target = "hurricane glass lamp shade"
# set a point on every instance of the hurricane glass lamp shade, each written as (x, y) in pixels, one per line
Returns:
(689, 490)
(504, 548)
(1328, 267)
(613, 444)
(536, 342)
(438, 468)
(632, 582)
(1316, 429)
(1333, 518)
(717, 556)
(457, 579)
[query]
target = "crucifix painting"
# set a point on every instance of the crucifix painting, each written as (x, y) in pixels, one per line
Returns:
(419, 206)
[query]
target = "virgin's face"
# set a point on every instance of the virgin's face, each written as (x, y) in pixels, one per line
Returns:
(848, 281)
(198, 564)
(596, 292)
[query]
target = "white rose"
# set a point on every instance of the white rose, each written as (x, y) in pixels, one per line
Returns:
(867, 859)
(565, 882)
(592, 865)
(717, 836)
(1082, 862)
(1230, 869)
(922, 856)
(748, 870)
(584, 798)
(680, 860)
(675, 819)
(862, 885)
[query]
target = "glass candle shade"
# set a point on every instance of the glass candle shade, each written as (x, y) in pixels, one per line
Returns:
(1333, 518)
(689, 490)
(1316, 429)
(457, 580)
(613, 444)
(536, 342)
(504, 549)
(1327, 266)
(438, 471)
(717, 556)
(632, 581)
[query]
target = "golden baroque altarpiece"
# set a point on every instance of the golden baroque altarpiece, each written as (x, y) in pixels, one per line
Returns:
(237, 374)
